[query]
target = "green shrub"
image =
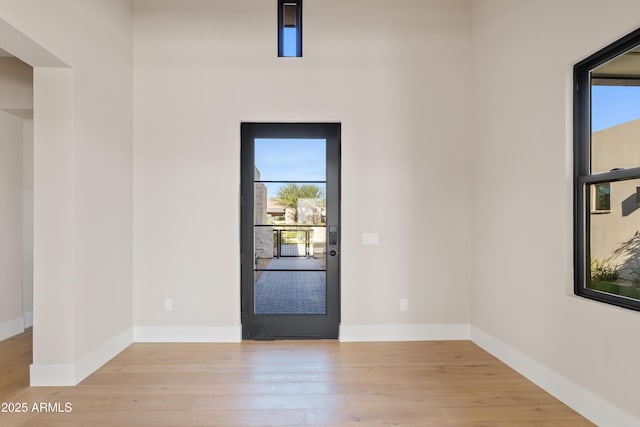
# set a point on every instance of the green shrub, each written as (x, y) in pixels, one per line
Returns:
(604, 270)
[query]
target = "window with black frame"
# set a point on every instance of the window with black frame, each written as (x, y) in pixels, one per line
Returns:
(289, 28)
(607, 174)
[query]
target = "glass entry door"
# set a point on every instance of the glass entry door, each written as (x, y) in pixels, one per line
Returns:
(290, 230)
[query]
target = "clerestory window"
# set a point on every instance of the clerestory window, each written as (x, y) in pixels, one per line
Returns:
(289, 28)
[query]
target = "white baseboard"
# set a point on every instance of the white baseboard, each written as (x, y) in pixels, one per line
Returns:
(28, 319)
(187, 334)
(72, 374)
(93, 360)
(59, 375)
(404, 332)
(11, 327)
(582, 401)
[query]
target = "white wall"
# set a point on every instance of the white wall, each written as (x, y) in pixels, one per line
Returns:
(16, 107)
(82, 178)
(522, 240)
(27, 220)
(10, 225)
(395, 74)
(16, 86)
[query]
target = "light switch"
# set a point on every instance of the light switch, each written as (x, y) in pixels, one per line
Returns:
(369, 238)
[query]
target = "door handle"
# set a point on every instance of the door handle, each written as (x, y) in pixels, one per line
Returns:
(333, 252)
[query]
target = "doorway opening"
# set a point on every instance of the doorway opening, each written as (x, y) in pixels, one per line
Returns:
(16, 207)
(290, 230)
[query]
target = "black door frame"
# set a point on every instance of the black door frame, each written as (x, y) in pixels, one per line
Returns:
(288, 326)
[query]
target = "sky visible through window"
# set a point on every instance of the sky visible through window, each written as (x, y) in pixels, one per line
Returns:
(289, 45)
(290, 160)
(613, 105)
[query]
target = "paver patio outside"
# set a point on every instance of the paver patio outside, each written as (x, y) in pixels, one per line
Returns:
(291, 292)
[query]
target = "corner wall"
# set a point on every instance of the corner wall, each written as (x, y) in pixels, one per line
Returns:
(11, 320)
(522, 184)
(16, 138)
(27, 220)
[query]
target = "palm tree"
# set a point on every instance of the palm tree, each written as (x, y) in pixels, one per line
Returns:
(288, 195)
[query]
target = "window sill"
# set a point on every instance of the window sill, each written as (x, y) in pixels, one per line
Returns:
(600, 212)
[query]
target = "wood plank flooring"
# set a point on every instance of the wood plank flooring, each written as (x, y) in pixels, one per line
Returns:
(439, 384)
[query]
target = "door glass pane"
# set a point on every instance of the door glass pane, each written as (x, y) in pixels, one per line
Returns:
(614, 231)
(290, 236)
(290, 292)
(285, 248)
(290, 159)
(290, 203)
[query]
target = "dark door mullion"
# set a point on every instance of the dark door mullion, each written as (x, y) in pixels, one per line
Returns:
(287, 182)
(274, 226)
(289, 269)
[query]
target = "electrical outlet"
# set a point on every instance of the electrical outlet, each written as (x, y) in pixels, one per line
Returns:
(168, 304)
(404, 304)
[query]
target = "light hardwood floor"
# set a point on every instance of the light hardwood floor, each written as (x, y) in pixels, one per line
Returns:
(448, 384)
